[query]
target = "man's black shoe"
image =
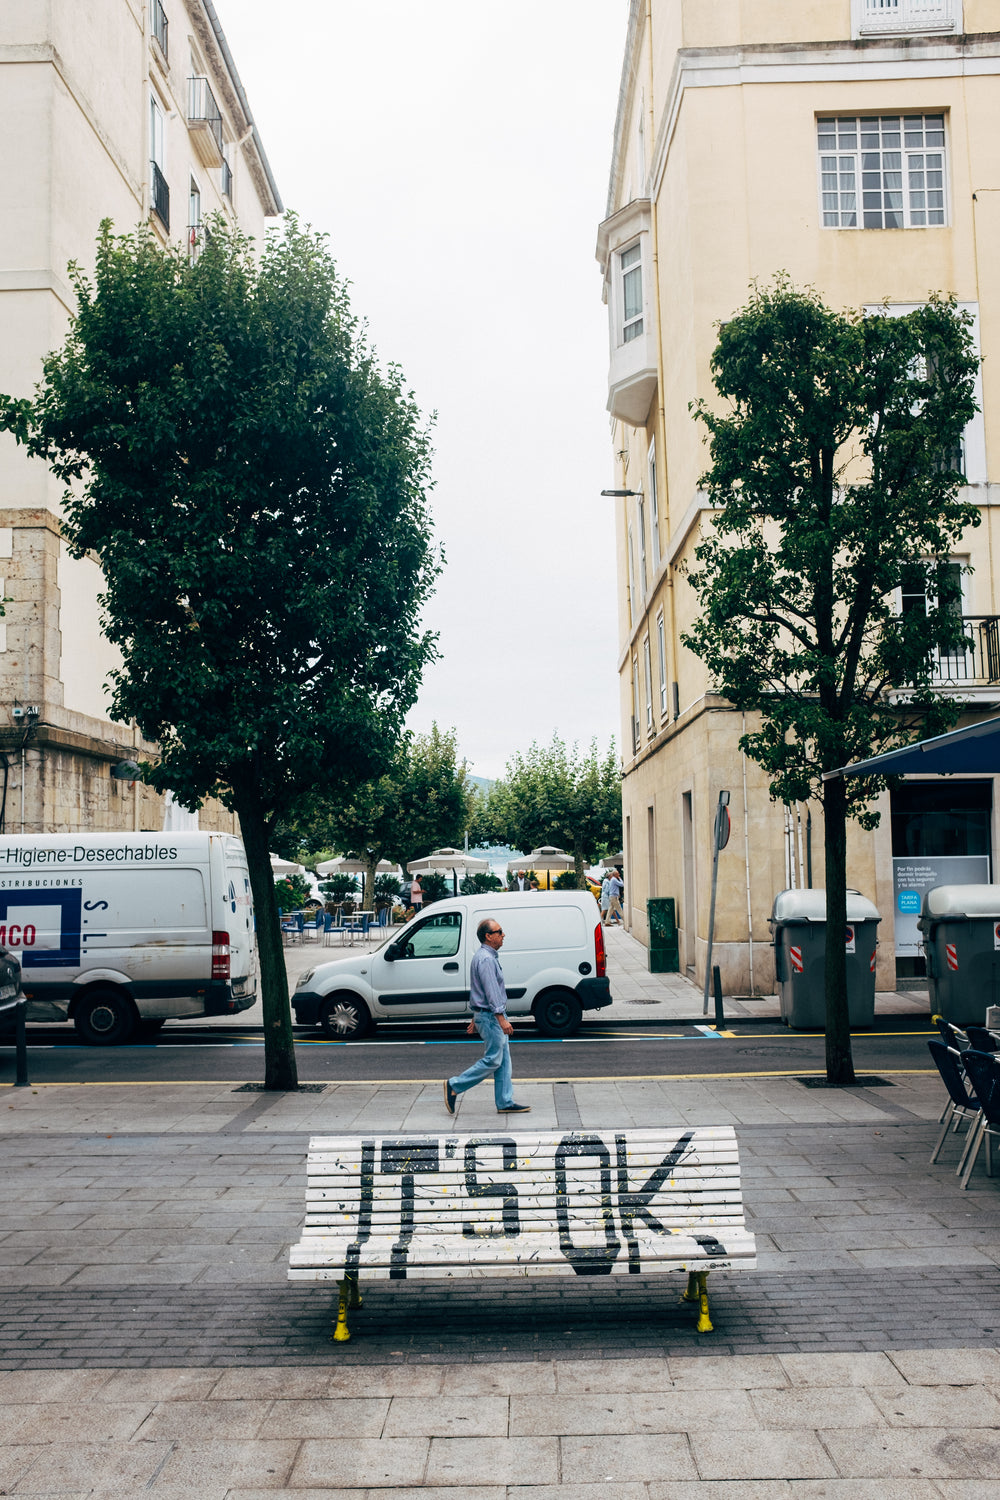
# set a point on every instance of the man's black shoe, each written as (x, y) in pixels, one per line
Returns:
(449, 1097)
(515, 1109)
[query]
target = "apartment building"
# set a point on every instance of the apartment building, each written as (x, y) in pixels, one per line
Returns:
(852, 144)
(130, 110)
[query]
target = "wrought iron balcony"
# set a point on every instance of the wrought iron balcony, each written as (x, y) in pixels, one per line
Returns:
(160, 195)
(205, 122)
(978, 665)
(159, 25)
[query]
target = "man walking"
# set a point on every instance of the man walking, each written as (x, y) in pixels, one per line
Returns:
(605, 897)
(616, 890)
(488, 999)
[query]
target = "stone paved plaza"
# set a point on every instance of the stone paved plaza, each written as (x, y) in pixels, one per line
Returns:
(151, 1343)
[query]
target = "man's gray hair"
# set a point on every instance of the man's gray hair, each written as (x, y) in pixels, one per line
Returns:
(483, 930)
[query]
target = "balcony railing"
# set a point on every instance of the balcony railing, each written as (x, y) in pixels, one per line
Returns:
(159, 25)
(978, 665)
(878, 17)
(205, 122)
(161, 195)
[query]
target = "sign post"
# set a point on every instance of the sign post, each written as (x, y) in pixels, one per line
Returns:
(720, 840)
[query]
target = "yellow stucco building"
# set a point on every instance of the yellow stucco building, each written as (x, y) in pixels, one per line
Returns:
(854, 145)
(131, 110)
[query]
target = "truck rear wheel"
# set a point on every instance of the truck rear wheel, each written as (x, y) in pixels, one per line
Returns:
(558, 1013)
(345, 1018)
(104, 1018)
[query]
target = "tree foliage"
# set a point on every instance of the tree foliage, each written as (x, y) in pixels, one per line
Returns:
(554, 795)
(832, 481)
(253, 485)
(422, 802)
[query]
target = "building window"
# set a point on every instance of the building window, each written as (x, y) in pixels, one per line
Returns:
(195, 233)
(641, 509)
(636, 737)
(661, 651)
(227, 174)
(159, 191)
(631, 273)
(875, 17)
(654, 507)
(647, 672)
(895, 164)
(159, 25)
(633, 609)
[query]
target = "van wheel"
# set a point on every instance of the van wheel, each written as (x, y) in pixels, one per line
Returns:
(104, 1018)
(345, 1018)
(558, 1013)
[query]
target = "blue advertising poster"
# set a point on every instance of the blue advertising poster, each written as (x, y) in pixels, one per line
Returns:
(912, 876)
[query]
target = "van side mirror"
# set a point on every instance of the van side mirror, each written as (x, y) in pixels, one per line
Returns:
(391, 952)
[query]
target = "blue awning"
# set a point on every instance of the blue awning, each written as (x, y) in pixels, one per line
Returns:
(973, 750)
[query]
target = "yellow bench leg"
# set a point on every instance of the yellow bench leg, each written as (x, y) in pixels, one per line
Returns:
(341, 1332)
(697, 1291)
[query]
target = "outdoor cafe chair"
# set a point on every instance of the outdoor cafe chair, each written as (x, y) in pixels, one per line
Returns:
(983, 1072)
(981, 1039)
(951, 1035)
(962, 1103)
(291, 926)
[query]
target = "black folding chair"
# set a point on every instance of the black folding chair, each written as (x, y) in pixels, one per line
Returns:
(981, 1039)
(962, 1103)
(983, 1072)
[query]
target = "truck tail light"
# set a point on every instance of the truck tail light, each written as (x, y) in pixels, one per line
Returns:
(602, 961)
(220, 955)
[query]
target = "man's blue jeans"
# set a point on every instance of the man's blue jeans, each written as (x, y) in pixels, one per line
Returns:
(495, 1060)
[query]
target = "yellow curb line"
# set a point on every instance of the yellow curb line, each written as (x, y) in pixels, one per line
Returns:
(207, 1083)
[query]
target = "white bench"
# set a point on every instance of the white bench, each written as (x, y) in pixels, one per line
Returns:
(584, 1203)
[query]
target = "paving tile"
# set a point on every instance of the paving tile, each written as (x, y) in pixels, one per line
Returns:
(864, 1489)
(498, 1378)
(627, 1490)
(52, 1385)
(602, 1377)
(325, 1463)
(947, 1366)
(962, 1453)
(842, 1369)
(156, 1385)
(349, 1417)
(708, 1489)
(761, 1455)
(74, 1466)
(831, 1406)
(492, 1460)
(628, 1457)
(386, 1380)
(739, 1372)
(452, 1416)
(265, 1464)
(206, 1421)
(83, 1421)
(938, 1406)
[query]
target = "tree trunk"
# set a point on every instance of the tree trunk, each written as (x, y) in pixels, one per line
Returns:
(578, 863)
(368, 881)
(839, 1062)
(279, 1048)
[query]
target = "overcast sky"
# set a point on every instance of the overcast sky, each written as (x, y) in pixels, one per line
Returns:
(457, 152)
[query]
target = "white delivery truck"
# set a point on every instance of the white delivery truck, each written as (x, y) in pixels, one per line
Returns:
(115, 930)
(552, 957)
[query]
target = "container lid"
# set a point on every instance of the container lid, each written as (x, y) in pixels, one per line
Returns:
(810, 906)
(962, 901)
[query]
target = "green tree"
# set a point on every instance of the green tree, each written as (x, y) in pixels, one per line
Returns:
(832, 481)
(480, 883)
(422, 802)
(553, 795)
(253, 485)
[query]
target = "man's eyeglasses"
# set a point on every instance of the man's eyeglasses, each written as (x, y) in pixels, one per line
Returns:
(495, 932)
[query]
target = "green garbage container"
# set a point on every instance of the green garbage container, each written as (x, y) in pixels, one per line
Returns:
(664, 952)
(798, 925)
(961, 928)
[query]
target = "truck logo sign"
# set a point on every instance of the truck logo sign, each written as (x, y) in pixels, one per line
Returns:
(44, 926)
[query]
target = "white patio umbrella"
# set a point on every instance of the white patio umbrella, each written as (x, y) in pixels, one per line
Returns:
(455, 860)
(346, 865)
(546, 857)
(613, 861)
(281, 867)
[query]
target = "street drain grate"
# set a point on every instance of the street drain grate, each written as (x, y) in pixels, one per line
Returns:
(863, 1081)
(258, 1088)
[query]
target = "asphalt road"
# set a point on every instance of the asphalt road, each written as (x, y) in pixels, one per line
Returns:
(433, 1051)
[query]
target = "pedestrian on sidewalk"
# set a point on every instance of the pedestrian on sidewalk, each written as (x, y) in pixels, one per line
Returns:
(616, 890)
(488, 1000)
(605, 897)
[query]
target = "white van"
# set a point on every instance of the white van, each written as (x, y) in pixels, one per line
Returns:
(552, 958)
(113, 930)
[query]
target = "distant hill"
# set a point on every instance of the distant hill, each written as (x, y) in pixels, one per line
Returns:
(483, 782)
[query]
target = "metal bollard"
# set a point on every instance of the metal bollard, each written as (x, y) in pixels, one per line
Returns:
(720, 1019)
(21, 1045)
